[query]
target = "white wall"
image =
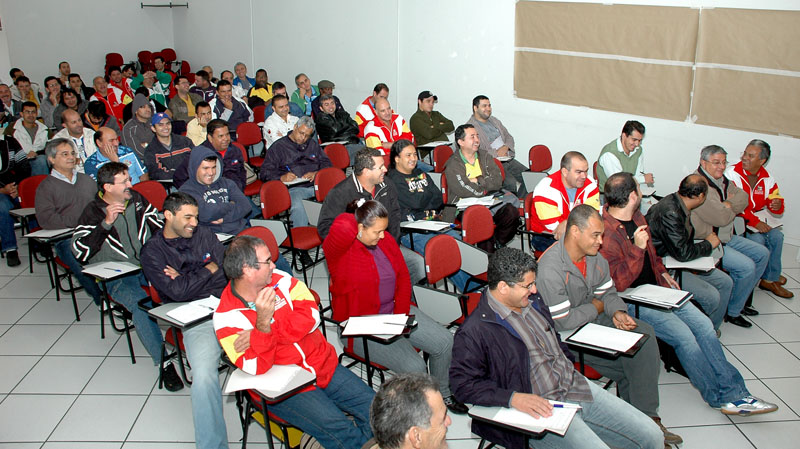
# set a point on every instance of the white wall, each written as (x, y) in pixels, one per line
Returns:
(41, 33)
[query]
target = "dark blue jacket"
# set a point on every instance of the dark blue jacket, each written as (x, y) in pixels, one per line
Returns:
(221, 199)
(232, 166)
(285, 155)
(490, 363)
(189, 257)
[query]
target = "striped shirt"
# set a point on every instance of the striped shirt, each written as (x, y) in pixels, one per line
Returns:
(553, 376)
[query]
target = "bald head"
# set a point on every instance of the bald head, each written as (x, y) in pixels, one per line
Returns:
(72, 121)
(383, 109)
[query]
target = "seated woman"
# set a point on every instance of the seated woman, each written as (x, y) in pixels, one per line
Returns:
(419, 199)
(369, 276)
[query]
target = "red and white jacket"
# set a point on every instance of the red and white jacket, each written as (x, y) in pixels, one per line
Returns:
(365, 113)
(294, 337)
(115, 102)
(765, 190)
(376, 132)
(551, 204)
(125, 88)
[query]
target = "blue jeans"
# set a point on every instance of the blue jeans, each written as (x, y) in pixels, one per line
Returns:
(605, 421)
(690, 332)
(8, 240)
(712, 290)
(127, 291)
(39, 165)
(321, 412)
(773, 241)
(283, 264)
(745, 261)
(427, 168)
(203, 352)
(298, 212)
(401, 356)
(64, 253)
(460, 278)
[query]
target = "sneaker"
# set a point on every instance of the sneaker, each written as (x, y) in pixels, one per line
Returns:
(12, 258)
(172, 381)
(455, 406)
(669, 437)
(749, 405)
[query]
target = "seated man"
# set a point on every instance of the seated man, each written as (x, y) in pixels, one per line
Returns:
(96, 117)
(624, 155)
(428, 125)
(25, 91)
(408, 412)
(14, 167)
(278, 88)
(292, 157)
(305, 93)
(325, 88)
(508, 354)
(167, 151)
(633, 262)
(335, 125)
(82, 137)
(218, 139)
(280, 123)
(184, 104)
(241, 79)
(229, 108)
(673, 235)
(202, 86)
(76, 83)
(183, 262)
(556, 195)
(261, 92)
(118, 80)
(386, 128)
(367, 182)
(496, 140)
(196, 128)
(365, 112)
(744, 259)
(138, 131)
(577, 287)
(60, 201)
(112, 228)
(765, 198)
(112, 98)
(32, 135)
(12, 108)
(266, 317)
(109, 150)
(471, 172)
(223, 207)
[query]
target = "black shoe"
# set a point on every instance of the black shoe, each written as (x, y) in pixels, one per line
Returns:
(172, 382)
(12, 258)
(305, 259)
(738, 321)
(454, 406)
(749, 311)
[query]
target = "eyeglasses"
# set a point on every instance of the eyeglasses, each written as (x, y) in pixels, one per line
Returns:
(526, 287)
(264, 262)
(719, 163)
(124, 181)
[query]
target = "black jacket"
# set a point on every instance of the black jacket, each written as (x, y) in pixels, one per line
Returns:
(417, 194)
(350, 189)
(189, 257)
(672, 231)
(161, 163)
(11, 170)
(337, 127)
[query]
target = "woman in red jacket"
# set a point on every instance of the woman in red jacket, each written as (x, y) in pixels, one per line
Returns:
(369, 276)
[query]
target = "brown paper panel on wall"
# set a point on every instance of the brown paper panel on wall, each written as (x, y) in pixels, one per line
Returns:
(750, 38)
(635, 88)
(749, 101)
(640, 31)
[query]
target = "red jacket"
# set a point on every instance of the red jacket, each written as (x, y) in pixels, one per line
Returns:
(625, 259)
(294, 337)
(766, 190)
(354, 277)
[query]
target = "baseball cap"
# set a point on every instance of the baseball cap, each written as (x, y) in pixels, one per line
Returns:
(158, 117)
(427, 94)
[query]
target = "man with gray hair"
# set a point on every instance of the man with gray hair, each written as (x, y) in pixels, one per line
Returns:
(296, 156)
(408, 412)
(305, 93)
(744, 259)
(241, 79)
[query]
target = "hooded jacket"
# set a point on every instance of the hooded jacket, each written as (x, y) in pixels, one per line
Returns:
(161, 162)
(350, 189)
(222, 199)
(135, 134)
(459, 186)
(232, 166)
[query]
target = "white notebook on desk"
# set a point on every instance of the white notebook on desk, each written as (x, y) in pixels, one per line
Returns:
(105, 270)
(195, 310)
(558, 422)
(606, 337)
(387, 324)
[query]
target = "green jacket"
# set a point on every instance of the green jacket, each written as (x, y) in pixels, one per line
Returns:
(430, 128)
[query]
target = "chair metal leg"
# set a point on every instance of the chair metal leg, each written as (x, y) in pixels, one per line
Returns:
(74, 299)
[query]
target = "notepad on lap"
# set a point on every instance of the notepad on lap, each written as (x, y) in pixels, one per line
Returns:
(195, 310)
(657, 295)
(276, 379)
(701, 263)
(557, 423)
(605, 337)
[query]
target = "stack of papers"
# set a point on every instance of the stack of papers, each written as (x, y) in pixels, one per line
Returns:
(605, 337)
(106, 270)
(272, 383)
(223, 238)
(437, 143)
(557, 423)
(767, 218)
(487, 201)
(700, 264)
(195, 310)
(388, 324)
(298, 180)
(427, 225)
(657, 295)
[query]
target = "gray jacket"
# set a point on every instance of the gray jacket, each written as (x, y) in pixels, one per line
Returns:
(179, 108)
(486, 146)
(569, 295)
(713, 216)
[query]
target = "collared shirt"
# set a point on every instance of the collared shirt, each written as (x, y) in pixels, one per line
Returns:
(611, 164)
(553, 376)
(135, 167)
(60, 176)
(473, 169)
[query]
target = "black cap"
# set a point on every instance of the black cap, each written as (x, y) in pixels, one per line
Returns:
(426, 94)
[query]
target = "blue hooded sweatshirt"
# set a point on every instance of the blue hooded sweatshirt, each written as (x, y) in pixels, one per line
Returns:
(222, 199)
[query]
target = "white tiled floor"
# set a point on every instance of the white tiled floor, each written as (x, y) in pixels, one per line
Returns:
(62, 387)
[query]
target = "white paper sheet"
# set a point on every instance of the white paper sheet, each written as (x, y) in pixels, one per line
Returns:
(656, 294)
(701, 263)
(276, 379)
(106, 270)
(503, 158)
(47, 233)
(767, 218)
(558, 422)
(437, 143)
(487, 201)
(222, 237)
(388, 324)
(295, 181)
(606, 337)
(343, 142)
(497, 143)
(195, 310)
(426, 225)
